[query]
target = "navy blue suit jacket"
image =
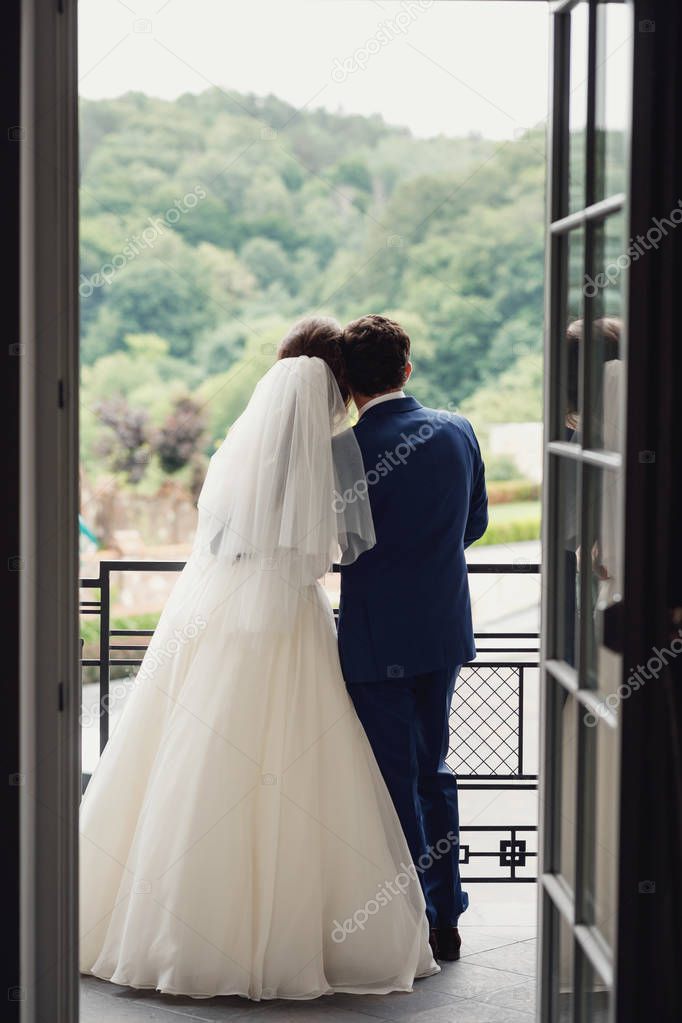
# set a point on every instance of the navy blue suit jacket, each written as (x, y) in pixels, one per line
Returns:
(405, 607)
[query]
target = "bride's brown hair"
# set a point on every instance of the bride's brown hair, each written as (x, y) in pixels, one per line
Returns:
(318, 336)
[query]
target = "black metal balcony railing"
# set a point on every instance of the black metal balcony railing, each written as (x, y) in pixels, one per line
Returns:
(488, 722)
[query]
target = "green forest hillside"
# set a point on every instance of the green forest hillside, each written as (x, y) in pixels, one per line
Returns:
(210, 223)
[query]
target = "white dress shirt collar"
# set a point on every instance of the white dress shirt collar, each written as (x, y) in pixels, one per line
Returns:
(379, 398)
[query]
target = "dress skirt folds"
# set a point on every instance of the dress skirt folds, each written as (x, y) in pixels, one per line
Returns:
(237, 837)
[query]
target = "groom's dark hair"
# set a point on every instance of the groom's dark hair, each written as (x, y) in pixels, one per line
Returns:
(376, 351)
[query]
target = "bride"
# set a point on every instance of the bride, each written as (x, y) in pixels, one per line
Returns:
(237, 837)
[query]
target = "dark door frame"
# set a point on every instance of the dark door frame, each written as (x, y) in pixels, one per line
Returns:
(48, 672)
(650, 945)
(9, 514)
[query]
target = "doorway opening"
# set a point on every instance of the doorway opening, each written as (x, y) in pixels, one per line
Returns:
(339, 159)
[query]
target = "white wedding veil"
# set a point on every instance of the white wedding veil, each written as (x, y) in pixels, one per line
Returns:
(271, 519)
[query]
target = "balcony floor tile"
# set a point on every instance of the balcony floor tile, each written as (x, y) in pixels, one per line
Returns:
(492, 982)
(467, 980)
(519, 957)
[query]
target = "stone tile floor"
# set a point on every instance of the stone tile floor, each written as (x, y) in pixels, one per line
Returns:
(494, 982)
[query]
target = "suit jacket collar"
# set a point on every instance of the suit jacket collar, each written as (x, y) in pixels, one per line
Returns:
(389, 408)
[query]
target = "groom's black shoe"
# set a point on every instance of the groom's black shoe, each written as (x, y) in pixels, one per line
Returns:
(433, 942)
(448, 943)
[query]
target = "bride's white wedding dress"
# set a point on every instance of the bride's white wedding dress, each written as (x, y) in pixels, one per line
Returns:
(237, 836)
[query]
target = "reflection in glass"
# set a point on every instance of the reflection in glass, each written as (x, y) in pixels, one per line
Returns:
(566, 601)
(602, 534)
(566, 752)
(577, 112)
(614, 43)
(602, 891)
(611, 259)
(562, 974)
(601, 417)
(569, 354)
(596, 997)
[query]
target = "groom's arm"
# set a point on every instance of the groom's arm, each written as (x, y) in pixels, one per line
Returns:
(477, 519)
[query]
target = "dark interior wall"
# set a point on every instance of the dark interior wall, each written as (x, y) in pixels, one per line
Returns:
(650, 953)
(10, 142)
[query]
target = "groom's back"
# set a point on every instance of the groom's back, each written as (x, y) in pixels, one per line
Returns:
(405, 606)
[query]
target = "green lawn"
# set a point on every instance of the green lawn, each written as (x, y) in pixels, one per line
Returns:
(516, 521)
(513, 511)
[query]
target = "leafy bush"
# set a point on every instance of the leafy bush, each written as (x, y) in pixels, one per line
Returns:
(179, 439)
(501, 467)
(90, 628)
(90, 634)
(508, 491)
(127, 449)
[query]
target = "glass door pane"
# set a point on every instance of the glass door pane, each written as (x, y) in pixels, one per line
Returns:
(577, 105)
(596, 997)
(604, 290)
(562, 980)
(602, 883)
(601, 562)
(614, 32)
(565, 601)
(567, 735)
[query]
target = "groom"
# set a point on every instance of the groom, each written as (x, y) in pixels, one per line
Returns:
(405, 616)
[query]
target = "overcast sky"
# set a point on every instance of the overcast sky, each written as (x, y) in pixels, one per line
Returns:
(449, 66)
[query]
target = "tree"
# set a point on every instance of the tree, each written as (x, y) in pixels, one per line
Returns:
(225, 396)
(515, 397)
(220, 347)
(178, 441)
(159, 293)
(127, 448)
(333, 213)
(353, 172)
(268, 262)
